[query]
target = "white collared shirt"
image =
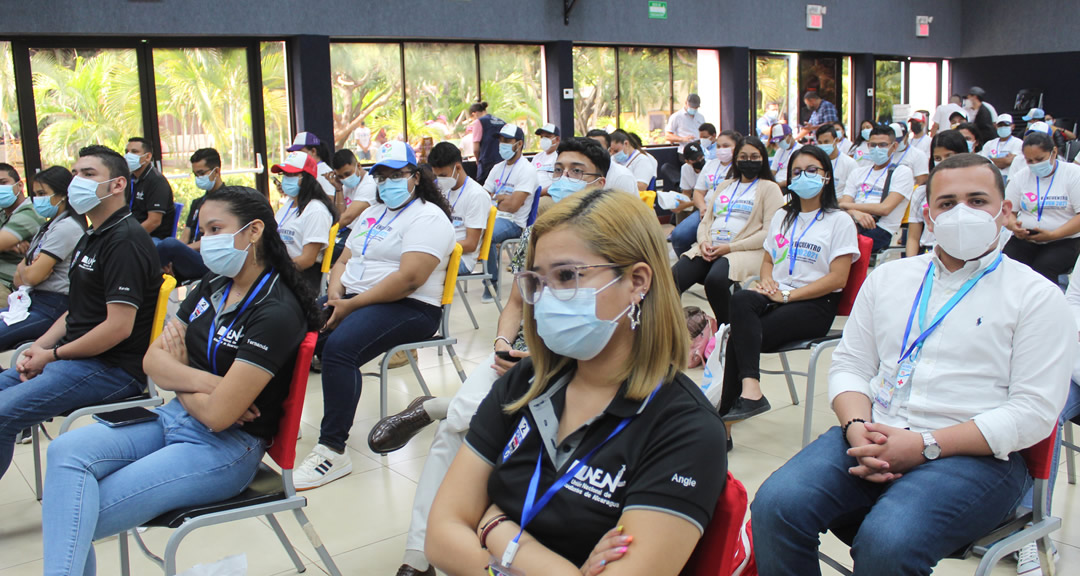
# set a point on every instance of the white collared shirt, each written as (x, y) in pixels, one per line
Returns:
(1003, 356)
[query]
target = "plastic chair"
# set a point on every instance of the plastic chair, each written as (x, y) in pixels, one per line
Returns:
(1010, 536)
(269, 493)
(176, 218)
(149, 399)
(327, 261)
(483, 275)
(714, 554)
(441, 338)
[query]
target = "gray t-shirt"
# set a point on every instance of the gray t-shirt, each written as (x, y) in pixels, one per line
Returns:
(58, 240)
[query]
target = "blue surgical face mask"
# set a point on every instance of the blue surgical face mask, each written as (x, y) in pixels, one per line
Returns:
(563, 187)
(709, 150)
(1004, 131)
(1042, 169)
(783, 145)
(571, 328)
(878, 156)
(290, 185)
(134, 161)
(506, 151)
(827, 148)
(620, 157)
(7, 195)
(971, 146)
(220, 254)
(204, 182)
(866, 133)
(44, 207)
(82, 193)
(807, 185)
(352, 181)
(394, 192)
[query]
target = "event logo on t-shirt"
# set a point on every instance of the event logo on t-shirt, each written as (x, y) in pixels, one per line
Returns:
(1030, 201)
(516, 440)
(780, 253)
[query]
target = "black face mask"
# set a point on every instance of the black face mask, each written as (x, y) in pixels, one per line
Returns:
(749, 167)
(916, 127)
(698, 165)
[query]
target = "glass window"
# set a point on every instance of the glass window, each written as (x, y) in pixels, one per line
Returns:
(684, 78)
(924, 86)
(845, 89)
(645, 92)
(888, 88)
(275, 107)
(440, 85)
(698, 71)
(367, 96)
(595, 89)
(84, 96)
(771, 72)
(512, 82)
(11, 146)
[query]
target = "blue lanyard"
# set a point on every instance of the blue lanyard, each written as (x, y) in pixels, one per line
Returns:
(922, 299)
(367, 237)
(727, 214)
(285, 216)
(195, 235)
(532, 507)
(502, 182)
(1040, 200)
(901, 158)
(716, 174)
(876, 180)
(460, 194)
(131, 202)
(211, 347)
(793, 250)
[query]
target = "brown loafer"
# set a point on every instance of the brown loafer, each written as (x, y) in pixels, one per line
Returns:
(394, 432)
(407, 570)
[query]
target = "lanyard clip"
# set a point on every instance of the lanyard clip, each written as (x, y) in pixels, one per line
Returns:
(510, 553)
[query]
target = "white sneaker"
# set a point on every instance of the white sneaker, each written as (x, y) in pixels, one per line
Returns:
(320, 467)
(1027, 559)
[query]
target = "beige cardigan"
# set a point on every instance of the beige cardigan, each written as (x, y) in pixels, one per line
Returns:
(747, 250)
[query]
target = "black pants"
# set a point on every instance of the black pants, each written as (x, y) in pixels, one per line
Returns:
(761, 325)
(713, 275)
(881, 237)
(1051, 259)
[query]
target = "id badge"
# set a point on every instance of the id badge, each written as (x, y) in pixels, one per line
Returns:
(495, 568)
(458, 222)
(884, 396)
(721, 237)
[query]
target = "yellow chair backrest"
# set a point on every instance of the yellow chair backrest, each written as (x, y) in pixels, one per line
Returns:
(485, 240)
(168, 283)
(328, 254)
(451, 275)
(648, 197)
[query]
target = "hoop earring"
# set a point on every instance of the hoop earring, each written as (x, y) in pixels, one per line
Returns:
(635, 313)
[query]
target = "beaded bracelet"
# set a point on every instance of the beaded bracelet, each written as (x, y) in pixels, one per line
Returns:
(489, 526)
(848, 425)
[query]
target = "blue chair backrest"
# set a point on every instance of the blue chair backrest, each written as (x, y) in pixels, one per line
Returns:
(176, 218)
(535, 207)
(652, 184)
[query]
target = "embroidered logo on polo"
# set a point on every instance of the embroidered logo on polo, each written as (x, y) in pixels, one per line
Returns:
(87, 263)
(201, 307)
(597, 484)
(522, 431)
(231, 338)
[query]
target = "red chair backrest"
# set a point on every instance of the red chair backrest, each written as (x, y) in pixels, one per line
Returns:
(283, 451)
(715, 552)
(855, 277)
(1040, 457)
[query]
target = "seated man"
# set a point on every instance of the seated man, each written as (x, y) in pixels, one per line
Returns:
(581, 160)
(94, 352)
(354, 192)
(511, 184)
(927, 458)
(149, 195)
(180, 258)
(876, 195)
(469, 203)
(19, 222)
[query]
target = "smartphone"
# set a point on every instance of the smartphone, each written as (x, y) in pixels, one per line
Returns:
(505, 355)
(276, 182)
(125, 417)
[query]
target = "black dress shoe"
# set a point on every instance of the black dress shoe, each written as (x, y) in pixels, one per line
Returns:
(730, 444)
(745, 408)
(407, 570)
(394, 432)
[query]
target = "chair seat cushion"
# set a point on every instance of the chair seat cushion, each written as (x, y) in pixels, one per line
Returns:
(266, 487)
(807, 344)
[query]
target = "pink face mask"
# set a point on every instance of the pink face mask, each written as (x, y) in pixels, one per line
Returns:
(724, 155)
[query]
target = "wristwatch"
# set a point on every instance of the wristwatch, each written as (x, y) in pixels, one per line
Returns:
(785, 294)
(931, 449)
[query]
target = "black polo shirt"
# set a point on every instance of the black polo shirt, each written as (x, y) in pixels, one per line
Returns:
(153, 193)
(113, 263)
(267, 335)
(671, 458)
(192, 221)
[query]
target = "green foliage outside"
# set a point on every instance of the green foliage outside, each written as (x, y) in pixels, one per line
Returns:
(888, 87)
(771, 73)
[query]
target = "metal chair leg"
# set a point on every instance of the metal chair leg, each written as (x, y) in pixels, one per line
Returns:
(1070, 453)
(790, 379)
(498, 301)
(125, 568)
(468, 308)
(419, 376)
(309, 531)
(35, 437)
(289, 549)
(384, 376)
(457, 363)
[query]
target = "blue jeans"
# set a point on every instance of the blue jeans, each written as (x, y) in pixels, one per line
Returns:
(63, 385)
(361, 337)
(102, 481)
(907, 525)
(504, 230)
(685, 233)
(880, 236)
(187, 264)
(45, 308)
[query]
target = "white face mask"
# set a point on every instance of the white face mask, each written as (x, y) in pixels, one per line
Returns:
(966, 233)
(545, 144)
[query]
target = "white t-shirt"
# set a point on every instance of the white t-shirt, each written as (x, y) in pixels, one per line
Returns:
(507, 179)
(643, 167)
(914, 159)
(544, 164)
(941, 115)
(922, 143)
(322, 168)
(364, 191)
(712, 175)
(843, 166)
(845, 146)
(731, 206)
(779, 162)
(1018, 164)
(918, 202)
(299, 230)
(860, 152)
(620, 178)
(866, 186)
(1059, 192)
(418, 227)
(1000, 148)
(470, 205)
(827, 239)
(684, 125)
(688, 178)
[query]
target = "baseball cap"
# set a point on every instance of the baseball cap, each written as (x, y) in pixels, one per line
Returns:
(1034, 114)
(1004, 119)
(512, 131)
(1041, 127)
(898, 129)
(693, 150)
(977, 92)
(295, 163)
(548, 128)
(395, 155)
(917, 117)
(304, 140)
(779, 132)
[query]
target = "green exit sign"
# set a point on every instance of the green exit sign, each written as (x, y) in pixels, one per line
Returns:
(658, 10)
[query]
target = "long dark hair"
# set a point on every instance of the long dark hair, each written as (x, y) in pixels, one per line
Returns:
(57, 179)
(310, 189)
(828, 192)
(858, 139)
(764, 173)
(950, 140)
(427, 190)
(248, 204)
(971, 127)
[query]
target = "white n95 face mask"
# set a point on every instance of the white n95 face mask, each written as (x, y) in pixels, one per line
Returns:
(966, 233)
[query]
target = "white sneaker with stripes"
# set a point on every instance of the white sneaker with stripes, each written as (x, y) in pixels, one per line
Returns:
(320, 467)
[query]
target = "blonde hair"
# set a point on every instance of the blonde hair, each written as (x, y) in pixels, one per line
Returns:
(621, 229)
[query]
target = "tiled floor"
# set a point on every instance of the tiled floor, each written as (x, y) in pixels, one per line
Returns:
(363, 518)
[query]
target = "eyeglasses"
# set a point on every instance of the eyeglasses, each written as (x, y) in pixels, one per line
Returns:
(563, 281)
(393, 176)
(573, 174)
(877, 145)
(811, 170)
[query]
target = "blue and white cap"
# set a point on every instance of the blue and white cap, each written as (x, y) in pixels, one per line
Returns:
(1034, 114)
(1040, 127)
(396, 155)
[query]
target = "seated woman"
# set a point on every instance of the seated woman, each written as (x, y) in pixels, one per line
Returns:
(206, 444)
(385, 290)
(733, 229)
(45, 267)
(859, 147)
(919, 237)
(629, 151)
(809, 251)
(304, 221)
(601, 409)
